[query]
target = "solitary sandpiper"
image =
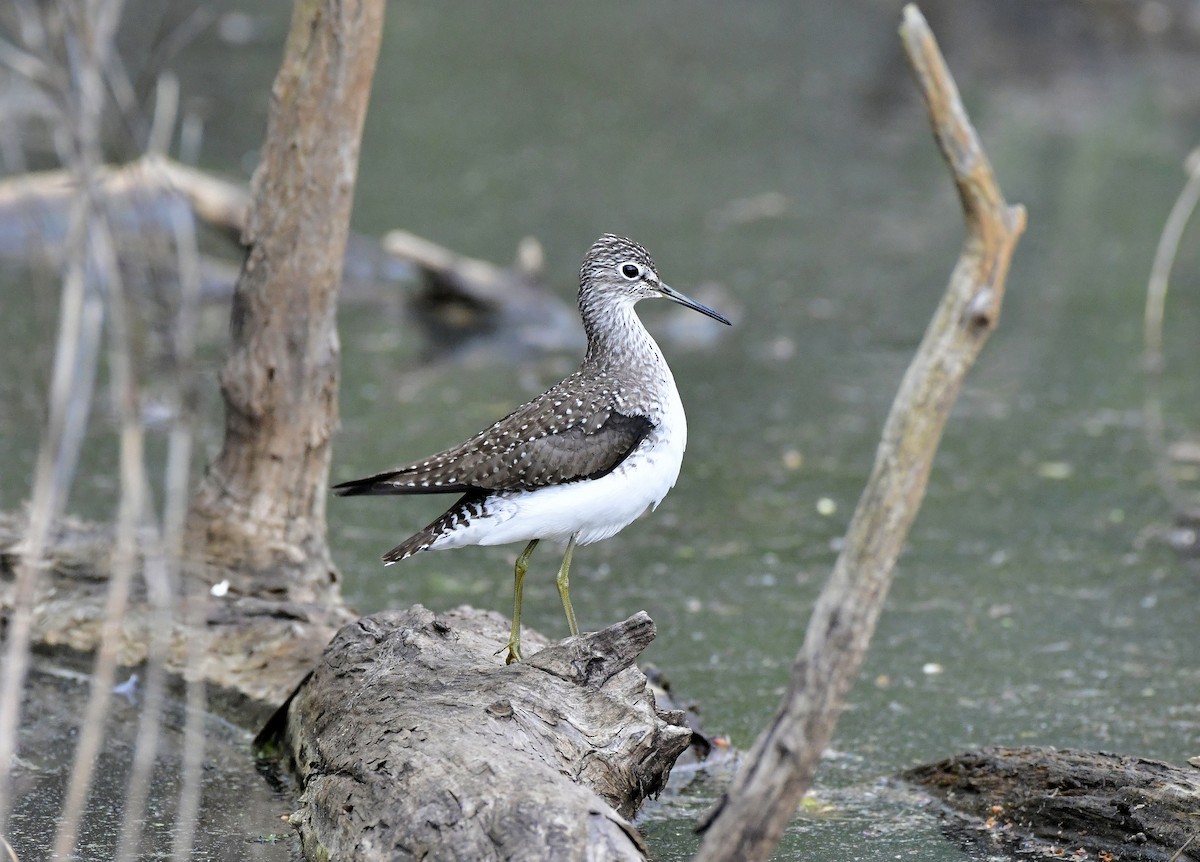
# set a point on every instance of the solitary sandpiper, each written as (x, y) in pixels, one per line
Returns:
(582, 460)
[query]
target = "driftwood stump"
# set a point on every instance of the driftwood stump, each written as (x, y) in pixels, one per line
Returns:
(412, 739)
(1115, 806)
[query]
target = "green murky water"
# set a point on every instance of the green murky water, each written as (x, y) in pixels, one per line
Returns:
(776, 163)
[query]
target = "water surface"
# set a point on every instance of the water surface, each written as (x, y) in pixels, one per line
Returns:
(775, 161)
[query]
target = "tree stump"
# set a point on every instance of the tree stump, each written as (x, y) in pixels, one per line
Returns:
(1131, 808)
(413, 739)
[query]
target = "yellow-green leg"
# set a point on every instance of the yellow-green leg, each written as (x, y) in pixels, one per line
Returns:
(514, 639)
(564, 588)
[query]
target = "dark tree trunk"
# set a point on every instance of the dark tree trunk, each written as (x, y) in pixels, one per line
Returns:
(260, 510)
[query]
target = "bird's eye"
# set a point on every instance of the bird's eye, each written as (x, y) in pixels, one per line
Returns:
(631, 271)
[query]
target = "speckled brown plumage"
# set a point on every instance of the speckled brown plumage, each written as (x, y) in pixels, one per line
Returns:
(574, 431)
(579, 429)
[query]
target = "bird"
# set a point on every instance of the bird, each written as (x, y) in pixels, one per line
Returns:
(579, 462)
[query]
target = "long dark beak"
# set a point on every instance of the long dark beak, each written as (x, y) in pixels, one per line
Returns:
(675, 296)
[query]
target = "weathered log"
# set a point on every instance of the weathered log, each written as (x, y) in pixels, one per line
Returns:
(255, 648)
(1135, 809)
(138, 198)
(413, 739)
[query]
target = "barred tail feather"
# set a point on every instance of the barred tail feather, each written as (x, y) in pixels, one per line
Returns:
(413, 545)
(459, 515)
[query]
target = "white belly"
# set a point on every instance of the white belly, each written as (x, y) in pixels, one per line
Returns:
(595, 508)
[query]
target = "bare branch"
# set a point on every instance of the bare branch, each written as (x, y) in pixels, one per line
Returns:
(161, 569)
(80, 320)
(166, 109)
(126, 556)
(749, 820)
(91, 38)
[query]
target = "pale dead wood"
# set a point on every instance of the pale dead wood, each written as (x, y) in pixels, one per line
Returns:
(81, 314)
(464, 294)
(215, 201)
(32, 200)
(412, 739)
(483, 282)
(145, 197)
(749, 820)
(162, 565)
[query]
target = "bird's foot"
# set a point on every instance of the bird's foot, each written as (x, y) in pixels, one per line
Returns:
(514, 651)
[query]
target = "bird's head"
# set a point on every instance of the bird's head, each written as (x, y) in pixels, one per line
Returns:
(617, 269)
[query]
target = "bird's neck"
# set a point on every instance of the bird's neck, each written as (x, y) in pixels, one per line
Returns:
(616, 337)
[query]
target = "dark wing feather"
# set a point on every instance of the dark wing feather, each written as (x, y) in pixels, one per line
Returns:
(548, 441)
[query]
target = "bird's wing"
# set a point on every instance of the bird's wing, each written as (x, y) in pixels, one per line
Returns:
(547, 441)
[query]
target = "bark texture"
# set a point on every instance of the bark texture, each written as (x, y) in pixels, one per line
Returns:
(749, 820)
(1135, 809)
(252, 650)
(260, 510)
(412, 739)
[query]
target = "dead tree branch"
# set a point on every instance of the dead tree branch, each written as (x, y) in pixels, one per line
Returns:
(749, 820)
(80, 327)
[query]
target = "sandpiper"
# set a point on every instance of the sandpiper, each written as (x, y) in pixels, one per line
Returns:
(582, 460)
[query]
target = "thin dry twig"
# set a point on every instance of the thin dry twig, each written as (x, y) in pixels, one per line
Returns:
(749, 820)
(166, 110)
(161, 568)
(179, 456)
(1152, 331)
(80, 324)
(92, 38)
(125, 557)
(1179, 852)
(80, 319)
(92, 280)
(194, 598)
